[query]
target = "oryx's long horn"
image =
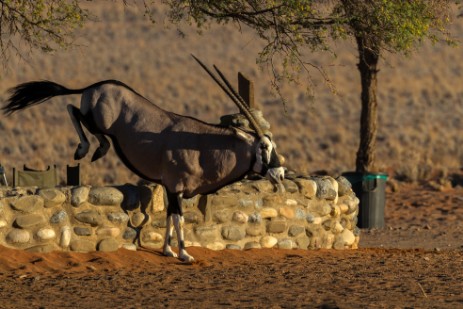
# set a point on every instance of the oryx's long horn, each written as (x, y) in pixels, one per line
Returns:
(216, 80)
(242, 107)
(247, 112)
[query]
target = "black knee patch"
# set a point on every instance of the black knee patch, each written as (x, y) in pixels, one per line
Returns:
(173, 206)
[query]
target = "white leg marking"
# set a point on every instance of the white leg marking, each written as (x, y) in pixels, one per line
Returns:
(167, 250)
(178, 223)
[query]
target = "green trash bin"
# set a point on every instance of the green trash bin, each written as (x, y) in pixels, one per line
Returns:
(370, 190)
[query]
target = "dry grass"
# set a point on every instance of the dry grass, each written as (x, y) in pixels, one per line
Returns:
(421, 99)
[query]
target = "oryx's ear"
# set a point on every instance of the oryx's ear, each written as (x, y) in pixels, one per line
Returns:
(248, 138)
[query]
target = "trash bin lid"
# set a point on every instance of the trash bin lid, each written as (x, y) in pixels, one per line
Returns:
(373, 176)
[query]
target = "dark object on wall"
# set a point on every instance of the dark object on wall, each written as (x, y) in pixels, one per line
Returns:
(73, 175)
(370, 190)
(31, 177)
(3, 181)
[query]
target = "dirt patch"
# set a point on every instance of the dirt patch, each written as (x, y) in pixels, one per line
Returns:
(414, 262)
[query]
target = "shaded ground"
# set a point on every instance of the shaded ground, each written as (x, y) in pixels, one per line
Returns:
(417, 261)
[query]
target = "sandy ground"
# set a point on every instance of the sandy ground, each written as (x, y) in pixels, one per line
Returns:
(416, 261)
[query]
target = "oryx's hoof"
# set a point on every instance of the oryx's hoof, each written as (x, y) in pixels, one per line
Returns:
(168, 252)
(99, 153)
(186, 258)
(81, 151)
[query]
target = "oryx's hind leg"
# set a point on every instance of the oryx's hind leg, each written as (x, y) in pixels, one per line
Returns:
(82, 149)
(84, 145)
(102, 149)
(174, 211)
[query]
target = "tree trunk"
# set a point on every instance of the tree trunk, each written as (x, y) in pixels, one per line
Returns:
(368, 63)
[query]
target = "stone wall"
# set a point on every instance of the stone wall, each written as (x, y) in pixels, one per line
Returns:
(312, 213)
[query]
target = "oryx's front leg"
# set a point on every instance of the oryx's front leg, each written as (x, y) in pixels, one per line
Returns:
(174, 211)
(167, 249)
(84, 145)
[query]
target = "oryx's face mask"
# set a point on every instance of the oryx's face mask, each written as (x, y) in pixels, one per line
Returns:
(268, 162)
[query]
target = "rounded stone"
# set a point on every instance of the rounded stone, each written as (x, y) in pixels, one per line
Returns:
(58, 217)
(303, 242)
(191, 217)
(216, 246)
(344, 239)
(307, 187)
(287, 212)
(108, 231)
(65, 237)
(18, 236)
(105, 196)
(233, 247)
(295, 230)
(255, 230)
(291, 202)
(28, 204)
(91, 217)
(82, 231)
(157, 200)
(129, 234)
(29, 220)
(222, 216)
(268, 241)
(353, 204)
(326, 188)
(207, 233)
(130, 247)
(137, 219)
(46, 234)
(344, 186)
(276, 226)
(240, 217)
(343, 208)
(118, 217)
(232, 233)
(82, 245)
(247, 203)
(290, 186)
(52, 197)
(108, 245)
(263, 186)
(285, 244)
(252, 245)
(268, 212)
(273, 200)
(153, 237)
(3, 223)
(79, 196)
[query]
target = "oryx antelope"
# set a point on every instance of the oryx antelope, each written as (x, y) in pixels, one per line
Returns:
(184, 154)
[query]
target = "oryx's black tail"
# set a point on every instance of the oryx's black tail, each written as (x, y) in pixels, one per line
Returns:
(32, 93)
